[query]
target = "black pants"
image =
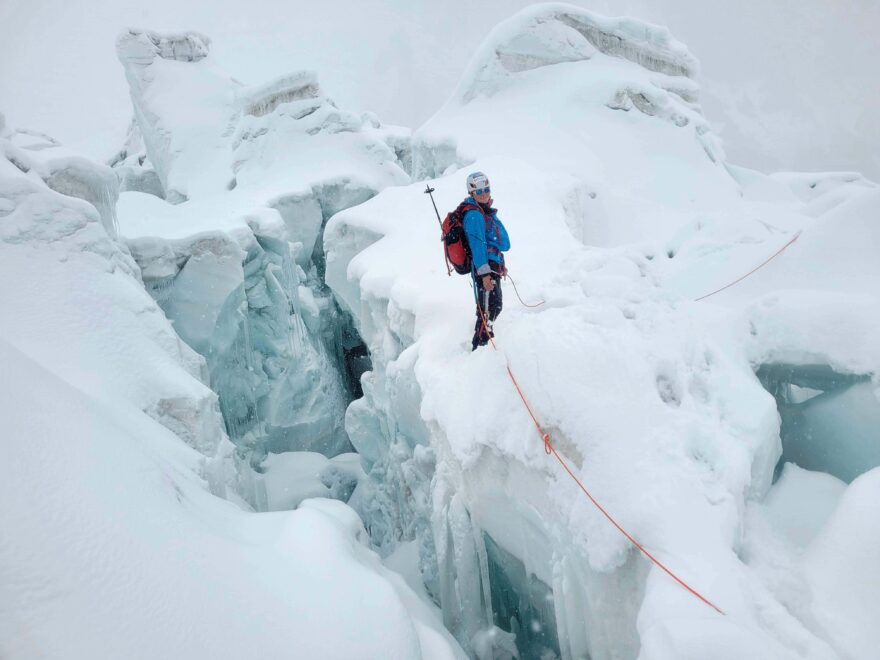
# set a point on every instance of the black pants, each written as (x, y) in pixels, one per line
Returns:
(481, 336)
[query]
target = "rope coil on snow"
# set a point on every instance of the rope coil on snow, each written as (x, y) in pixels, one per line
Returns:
(550, 449)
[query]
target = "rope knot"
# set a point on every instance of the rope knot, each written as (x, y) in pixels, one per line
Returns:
(548, 448)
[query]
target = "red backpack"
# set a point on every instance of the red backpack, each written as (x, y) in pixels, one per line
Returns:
(454, 239)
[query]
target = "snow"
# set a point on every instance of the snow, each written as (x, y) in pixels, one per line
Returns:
(249, 176)
(123, 553)
(842, 572)
(62, 272)
(785, 85)
(255, 248)
(619, 215)
(115, 543)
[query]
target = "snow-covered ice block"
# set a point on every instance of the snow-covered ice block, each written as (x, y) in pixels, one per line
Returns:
(66, 172)
(548, 34)
(74, 300)
(206, 133)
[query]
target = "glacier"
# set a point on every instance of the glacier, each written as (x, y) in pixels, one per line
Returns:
(242, 372)
(606, 171)
(232, 248)
(121, 534)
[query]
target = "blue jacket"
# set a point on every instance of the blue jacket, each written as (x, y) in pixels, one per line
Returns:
(487, 238)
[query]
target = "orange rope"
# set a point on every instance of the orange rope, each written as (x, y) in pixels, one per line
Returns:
(758, 267)
(550, 449)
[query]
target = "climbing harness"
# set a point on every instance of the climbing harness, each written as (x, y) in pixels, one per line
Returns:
(756, 268)
(549, 449)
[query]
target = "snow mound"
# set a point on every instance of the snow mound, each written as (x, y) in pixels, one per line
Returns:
(74, 299)
(548, 34)
(164, 73)
(842, 571)
(65, 172)
(654, 157)
(113, 548)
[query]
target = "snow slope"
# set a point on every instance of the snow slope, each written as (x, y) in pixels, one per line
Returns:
(113, 548)
(73, 297)
(618, 202)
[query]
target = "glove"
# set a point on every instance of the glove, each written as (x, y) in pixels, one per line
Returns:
(488, 283)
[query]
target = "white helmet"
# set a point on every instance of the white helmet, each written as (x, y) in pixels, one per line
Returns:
(477, 181)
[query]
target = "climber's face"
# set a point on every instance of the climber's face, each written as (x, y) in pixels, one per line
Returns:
(483, 195)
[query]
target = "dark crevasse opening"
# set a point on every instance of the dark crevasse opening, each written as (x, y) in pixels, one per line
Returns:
(351, 352)
(830, 420)
(521, 604)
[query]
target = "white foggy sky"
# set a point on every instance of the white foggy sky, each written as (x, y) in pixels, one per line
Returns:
(787, 84)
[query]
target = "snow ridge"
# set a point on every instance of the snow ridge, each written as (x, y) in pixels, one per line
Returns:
(553, 33)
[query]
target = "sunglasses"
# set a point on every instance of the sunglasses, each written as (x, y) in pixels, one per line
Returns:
(482, 191)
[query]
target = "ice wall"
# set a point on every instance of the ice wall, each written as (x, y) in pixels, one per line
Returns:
(236, 260)
(240, 300)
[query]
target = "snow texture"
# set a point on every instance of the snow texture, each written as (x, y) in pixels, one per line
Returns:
(123, 553)
(266, 232)
(114, 543)
(621, 211)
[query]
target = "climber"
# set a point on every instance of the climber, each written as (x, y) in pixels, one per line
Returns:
(487, 239)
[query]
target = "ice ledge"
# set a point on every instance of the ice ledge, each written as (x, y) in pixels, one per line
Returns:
(554, 33)
(262, 99)
(143, 46)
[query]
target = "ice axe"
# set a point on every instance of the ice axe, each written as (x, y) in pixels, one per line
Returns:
(428, 191)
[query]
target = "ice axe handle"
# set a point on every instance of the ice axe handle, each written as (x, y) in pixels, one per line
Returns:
(428, 191)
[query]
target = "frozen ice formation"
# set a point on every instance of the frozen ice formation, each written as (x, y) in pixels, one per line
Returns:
(65, 172)
(63, 269)
(622, 63)
(133, 168)
(105, 500)
(205, 132)
(183, 107)
(236, 260)
(263, 99)
(548, 34)
(239, 299)
(298, 264)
